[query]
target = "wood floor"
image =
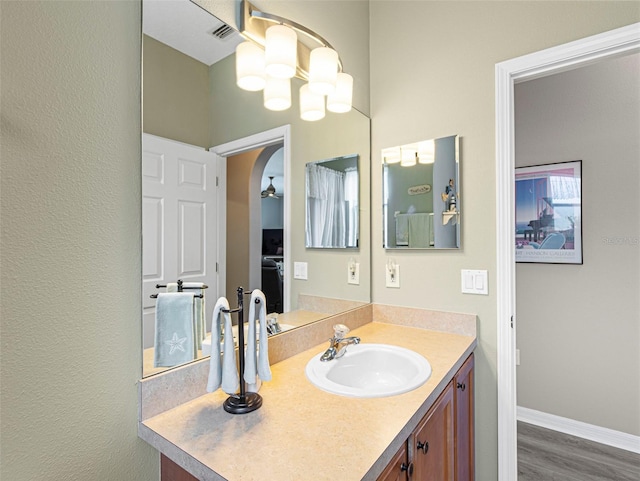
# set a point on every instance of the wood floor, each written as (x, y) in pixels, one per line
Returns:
(546, 455)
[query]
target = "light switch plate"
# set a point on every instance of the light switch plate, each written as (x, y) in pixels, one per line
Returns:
(353, 276)
(474, 282)
(393, 278)
(300, 270)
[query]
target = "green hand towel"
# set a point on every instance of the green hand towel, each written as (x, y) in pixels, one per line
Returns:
(175, 336)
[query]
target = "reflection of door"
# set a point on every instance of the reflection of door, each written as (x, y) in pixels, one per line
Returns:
(179, 224)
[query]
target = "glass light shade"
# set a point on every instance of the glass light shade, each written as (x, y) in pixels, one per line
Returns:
(250, 67)
(391, 155)
(311, 104)
(427, 152)
(281, 52)
(408, 157)
(340, 100)
(277, 94)
(323, 70)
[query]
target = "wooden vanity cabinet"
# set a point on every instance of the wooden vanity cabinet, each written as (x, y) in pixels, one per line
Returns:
(464, 422)
(399, 468)
(170, 471)
(441, 448)
(433, 441)
(442, 445)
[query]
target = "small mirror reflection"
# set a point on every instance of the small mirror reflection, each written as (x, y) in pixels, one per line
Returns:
(421, 194)
(332, 203)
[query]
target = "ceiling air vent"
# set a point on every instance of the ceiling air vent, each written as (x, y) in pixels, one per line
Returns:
(223, 31)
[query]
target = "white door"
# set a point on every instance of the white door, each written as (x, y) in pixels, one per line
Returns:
(179, 222)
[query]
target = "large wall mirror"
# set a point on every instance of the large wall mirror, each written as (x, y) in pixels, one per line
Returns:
(332, 200)
(234, 213)
(421, 195)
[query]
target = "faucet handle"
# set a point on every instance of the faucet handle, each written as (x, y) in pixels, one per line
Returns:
(340, 330)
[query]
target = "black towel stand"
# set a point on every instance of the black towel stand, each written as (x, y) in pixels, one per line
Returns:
(244, 402)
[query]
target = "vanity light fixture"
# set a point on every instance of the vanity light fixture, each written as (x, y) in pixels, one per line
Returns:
(311, 104)
(340, 100)
(427, 151)
(277, 93)
(285, 56)
(281, 49)
(391, 155)
(408, 156)
(250, 72)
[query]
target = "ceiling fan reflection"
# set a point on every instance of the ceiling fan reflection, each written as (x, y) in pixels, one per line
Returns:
(270, 191)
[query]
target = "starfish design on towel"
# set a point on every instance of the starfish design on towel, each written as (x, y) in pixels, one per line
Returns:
(175, 343)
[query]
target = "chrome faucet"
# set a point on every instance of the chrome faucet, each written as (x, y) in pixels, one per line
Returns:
(338, 343)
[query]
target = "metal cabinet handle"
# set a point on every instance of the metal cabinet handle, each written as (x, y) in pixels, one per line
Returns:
(423, 446)
(408, 468)
(462, 386)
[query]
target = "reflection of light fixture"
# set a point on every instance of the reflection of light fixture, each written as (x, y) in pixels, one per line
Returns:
(340, 100)
(277, 36)
(270, 191)
(250, 67)
(311, 104)
(408, 156)
(427, 152)
(280, 52)
(277, 93)
(391, 155)
(323, 70)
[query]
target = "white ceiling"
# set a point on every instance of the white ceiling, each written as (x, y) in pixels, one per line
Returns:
(186, 27)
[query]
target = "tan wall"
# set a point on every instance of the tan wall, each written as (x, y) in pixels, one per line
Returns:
(239, 168)
(434, 77)
(70, 262)
(175, 95)
(579, 325)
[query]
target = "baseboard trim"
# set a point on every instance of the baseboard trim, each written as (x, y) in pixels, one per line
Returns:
(598, 434)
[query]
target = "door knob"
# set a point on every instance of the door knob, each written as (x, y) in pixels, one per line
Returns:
(408, 468)
(423, 446)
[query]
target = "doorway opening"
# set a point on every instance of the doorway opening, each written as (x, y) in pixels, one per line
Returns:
(247, 230)
(539, 64)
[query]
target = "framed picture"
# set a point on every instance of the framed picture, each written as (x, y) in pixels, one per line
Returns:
(549, 213)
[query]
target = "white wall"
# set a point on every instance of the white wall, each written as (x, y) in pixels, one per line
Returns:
(579, 325)
(70, 258)
(432, 75)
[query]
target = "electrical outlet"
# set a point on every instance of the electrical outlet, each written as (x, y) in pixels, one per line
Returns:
(353, 273)
(517, 357)
(300, 270)
(393, 275)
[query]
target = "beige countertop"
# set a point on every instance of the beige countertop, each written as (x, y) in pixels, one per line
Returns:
(302, 433)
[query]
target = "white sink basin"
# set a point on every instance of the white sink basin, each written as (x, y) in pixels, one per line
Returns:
(370, 370)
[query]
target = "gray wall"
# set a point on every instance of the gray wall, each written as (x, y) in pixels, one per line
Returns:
(578, 326)
(435, 76)
(71, 263)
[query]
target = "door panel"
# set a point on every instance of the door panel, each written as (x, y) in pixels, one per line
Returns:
(179, 221)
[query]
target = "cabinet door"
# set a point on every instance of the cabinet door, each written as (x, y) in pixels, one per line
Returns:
(464, 440)
(398, 468)
(433, 441)
(170, 471)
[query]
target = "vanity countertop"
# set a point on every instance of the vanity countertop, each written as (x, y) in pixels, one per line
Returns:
(302, 433)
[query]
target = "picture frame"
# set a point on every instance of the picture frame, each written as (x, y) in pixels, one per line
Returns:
(548, 213)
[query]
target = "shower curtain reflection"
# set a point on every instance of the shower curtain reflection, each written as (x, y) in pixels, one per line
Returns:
(332, 206)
